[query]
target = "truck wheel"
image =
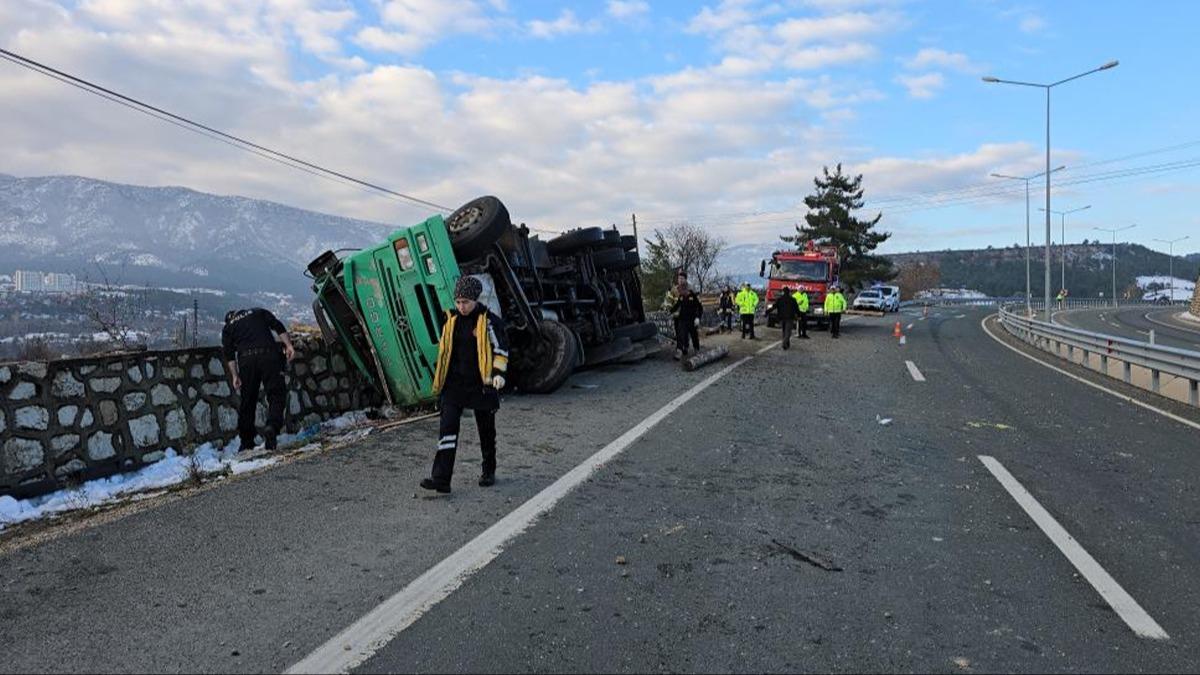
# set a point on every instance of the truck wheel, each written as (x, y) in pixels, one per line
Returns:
(609, 351)
(612, 239)
(629, 242)
(476, 225)
(566, 244)
(637, 331)
(554, 362)
(632, 260)
(608, 258)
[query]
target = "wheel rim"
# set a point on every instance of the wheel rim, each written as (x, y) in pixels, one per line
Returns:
(466, 218)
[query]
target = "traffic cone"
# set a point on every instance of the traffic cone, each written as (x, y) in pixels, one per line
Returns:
(896, 331)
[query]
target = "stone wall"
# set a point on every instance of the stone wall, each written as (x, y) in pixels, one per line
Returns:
(76, 419)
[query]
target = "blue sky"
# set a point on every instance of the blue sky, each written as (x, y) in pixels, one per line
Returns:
(582, 113)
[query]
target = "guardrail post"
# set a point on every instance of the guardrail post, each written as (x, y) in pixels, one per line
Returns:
(1154, 381)
(1104, 363)
(1128, 373)
(1087, 359)
(1194, 393)
(1151, 336)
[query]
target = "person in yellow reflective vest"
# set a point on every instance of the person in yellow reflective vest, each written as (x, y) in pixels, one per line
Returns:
(747, 302)
(835, 304)
(801, 299)
(471, 366)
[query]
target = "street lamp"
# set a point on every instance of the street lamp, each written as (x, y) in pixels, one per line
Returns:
(1114, 256)
(1026, 179)
(1062, 243)
(1171, 260)
(1048, 87)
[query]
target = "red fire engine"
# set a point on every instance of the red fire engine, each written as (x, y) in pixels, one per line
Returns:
(813, 268)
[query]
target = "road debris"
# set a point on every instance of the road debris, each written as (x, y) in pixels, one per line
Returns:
(807, 557)
(883, 421)
(703, 358)
(621, 560)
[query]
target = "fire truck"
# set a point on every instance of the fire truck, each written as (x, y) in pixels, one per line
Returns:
(813, 268)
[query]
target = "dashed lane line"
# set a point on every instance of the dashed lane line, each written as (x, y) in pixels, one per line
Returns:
(362, 639)
(1122, 602)
(912, 370)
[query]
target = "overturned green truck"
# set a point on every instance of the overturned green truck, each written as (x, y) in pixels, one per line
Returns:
(570, 302)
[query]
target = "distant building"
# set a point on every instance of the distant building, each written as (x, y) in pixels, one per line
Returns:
(40, 282)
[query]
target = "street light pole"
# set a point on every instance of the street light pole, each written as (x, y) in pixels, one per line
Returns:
(1171, 261)
(1114, 256)
(1048, 87)
(1062, 243)
(1028, 277)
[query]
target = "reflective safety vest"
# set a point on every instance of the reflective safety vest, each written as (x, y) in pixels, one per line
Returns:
(747, 301)
(801, 300)
(835, 302)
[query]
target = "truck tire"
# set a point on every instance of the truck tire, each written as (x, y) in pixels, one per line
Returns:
(609, 258)
(476, 225)
(637, 331)
(629, 242)
(555, 362)
(632, 260)
(607, 352)
(612, 239)
(566, 244)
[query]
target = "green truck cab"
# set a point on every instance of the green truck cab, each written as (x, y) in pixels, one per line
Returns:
(570, 302)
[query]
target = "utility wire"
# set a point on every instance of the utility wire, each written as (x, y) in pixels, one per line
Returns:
(178, 120)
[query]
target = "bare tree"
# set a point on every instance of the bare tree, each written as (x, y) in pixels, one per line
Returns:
(112, 310)
(691, 249)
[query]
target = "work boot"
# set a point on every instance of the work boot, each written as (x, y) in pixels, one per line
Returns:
(270, 438)
(431, 484)
(804, 336)
(487, 480)
(678, 354)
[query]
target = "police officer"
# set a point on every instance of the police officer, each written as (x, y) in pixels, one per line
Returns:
(786, 310)
(747, 302)
(835, 304)
(250, 341)
(801, 299)
(471, 365)
(686, 309)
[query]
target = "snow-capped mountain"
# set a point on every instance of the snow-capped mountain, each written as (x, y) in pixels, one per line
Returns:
(167, 236)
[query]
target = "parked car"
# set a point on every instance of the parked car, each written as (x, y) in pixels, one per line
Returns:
(891, 297)
(870, 299)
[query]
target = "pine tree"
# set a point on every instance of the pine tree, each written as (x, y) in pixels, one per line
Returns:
(830, 220)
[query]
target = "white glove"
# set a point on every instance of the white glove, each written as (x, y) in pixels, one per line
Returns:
(697, 323)
(498, 382)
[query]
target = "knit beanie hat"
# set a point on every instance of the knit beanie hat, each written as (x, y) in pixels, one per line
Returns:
(469, 288)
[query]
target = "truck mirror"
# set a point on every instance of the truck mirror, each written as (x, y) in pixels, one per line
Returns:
(762, 268)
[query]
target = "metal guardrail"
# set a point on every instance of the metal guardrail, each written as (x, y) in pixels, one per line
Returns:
(1070, 303)
(1157, 359)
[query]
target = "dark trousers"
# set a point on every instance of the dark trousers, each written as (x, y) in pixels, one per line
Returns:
(260, 370)
(835, 324)
(747, 325)
(786, 325)
(727, 319)
(685, 330)
(803, 324)
(451, 419)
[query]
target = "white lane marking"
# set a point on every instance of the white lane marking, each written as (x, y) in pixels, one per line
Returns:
(912, 370)
(1123, 397)
(1122, 603)
(764, 349)
(358, 642)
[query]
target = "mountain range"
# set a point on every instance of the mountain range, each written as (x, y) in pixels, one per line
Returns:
(165, 236)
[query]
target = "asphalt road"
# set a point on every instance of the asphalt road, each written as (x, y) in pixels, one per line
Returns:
(772, 522)
(1136, 323)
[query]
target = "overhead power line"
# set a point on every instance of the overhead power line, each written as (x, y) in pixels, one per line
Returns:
(203, 129)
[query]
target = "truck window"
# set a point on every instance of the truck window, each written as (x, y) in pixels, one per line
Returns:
(800, 270)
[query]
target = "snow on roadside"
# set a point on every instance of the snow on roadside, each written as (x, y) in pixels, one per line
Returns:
(171, 470)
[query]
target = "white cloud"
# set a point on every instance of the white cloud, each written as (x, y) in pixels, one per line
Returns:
(836, 27)
(821, 57)
(922, 86)
(410, 26)
(566, 24)
(1032, 23)
(940, 58)
(627, 9)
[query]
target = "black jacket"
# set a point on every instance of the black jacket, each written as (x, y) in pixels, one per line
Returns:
(786, 308)
(689, 307)
(250, 329)
(464, 383)
(726, 301)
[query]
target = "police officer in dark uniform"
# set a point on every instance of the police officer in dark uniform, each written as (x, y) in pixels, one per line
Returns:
(253, 358)
(471, 365)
